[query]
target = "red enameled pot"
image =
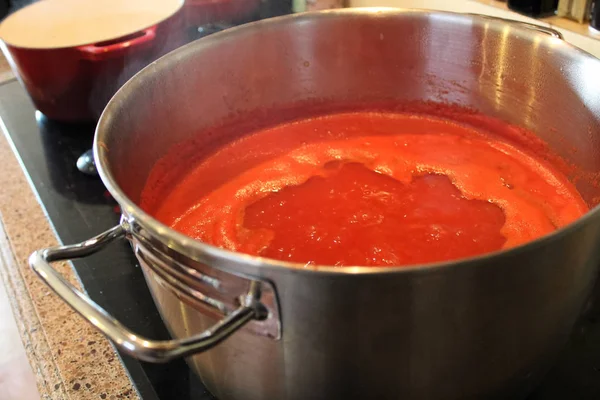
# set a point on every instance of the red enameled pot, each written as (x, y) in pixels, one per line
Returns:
(74, 82)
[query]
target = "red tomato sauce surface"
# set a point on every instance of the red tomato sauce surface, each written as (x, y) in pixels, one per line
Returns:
(370, 189)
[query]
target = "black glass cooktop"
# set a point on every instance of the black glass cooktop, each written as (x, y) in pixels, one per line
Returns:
(79, 207)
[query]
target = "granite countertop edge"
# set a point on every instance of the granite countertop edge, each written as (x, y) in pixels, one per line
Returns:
(69, 358)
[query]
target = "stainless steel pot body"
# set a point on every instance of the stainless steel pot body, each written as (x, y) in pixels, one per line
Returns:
(486, 327)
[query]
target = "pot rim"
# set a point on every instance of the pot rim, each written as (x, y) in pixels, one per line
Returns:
(220, 257)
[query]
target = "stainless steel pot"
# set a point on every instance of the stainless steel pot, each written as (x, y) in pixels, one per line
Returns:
(485, 327)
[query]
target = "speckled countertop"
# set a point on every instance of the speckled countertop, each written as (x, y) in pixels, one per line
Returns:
(69, 358)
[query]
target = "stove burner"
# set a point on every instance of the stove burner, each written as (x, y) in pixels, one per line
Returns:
(87, 164)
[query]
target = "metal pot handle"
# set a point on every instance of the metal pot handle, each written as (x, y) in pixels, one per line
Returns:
(127, 341)
(534, 27)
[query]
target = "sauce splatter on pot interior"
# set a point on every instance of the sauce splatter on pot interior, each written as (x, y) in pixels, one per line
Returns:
(369, 189)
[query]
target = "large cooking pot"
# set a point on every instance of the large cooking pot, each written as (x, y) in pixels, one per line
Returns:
(73, 55)
(484, 327)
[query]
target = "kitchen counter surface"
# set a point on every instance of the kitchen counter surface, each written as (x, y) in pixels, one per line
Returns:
(70, 360)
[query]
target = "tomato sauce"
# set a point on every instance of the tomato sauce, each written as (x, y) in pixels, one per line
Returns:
(370, 189)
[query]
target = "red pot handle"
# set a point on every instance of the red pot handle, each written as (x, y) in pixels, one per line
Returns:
(115, 49)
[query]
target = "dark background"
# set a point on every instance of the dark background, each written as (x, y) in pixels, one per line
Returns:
(9, 6)
(14, 5)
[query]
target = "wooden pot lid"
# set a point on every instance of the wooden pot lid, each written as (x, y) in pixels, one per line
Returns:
(51, 24)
